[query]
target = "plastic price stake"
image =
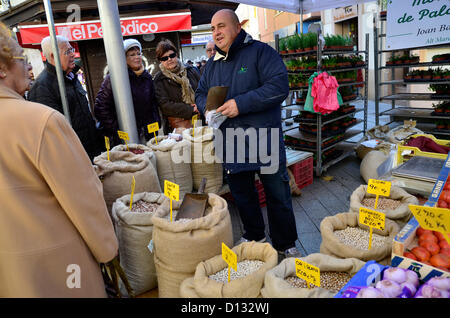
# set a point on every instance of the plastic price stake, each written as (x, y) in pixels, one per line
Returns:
(230, 258)
(434, 219)
(307, 272)
(194, 121)
(153, 128)
(172, 191)
(373, 219)
(123, 135)
(379, 187)
(133, 185)
(108, 146)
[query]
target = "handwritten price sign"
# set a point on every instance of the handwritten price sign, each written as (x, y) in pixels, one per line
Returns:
(123, 135)
(172, 191)
(434, 219)
(307, 272)
(372, 219)
(379, 187)
(230, 258)
(153, 128)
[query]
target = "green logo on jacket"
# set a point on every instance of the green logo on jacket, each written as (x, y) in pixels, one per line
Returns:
(242, 70)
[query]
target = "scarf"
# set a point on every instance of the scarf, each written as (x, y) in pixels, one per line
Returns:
(140, 71)
(179, 75)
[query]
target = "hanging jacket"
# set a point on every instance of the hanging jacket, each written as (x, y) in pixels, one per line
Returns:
(324, 91)
(309, 103)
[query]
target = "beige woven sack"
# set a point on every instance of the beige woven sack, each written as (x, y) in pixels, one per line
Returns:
(134, 232)
(117, 175)
(400, 215)
(180, 246)
(275, 285)
(370, 164)
(246, 287)
(331, 245)
(147, 151)
(173, 162)
(203, 159)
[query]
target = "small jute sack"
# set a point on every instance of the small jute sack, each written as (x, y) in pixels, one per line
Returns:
(117, 175)
(137, 147)
(201, 286)
(180, 246)
(276, 286)
(400, 215)
(203, 159)
(370, 164)
(332, 245)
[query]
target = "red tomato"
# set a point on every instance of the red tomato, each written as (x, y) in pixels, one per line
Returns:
(445, 195)
(428, 237)
(445, 251)
(421, 253)
(410, 255)
(442, 204)
(444, 244)
(447, 185)
(440, 260)
(421, 230)
(432, 247)
(439, 235)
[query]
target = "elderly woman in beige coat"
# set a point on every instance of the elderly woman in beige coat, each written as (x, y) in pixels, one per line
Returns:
(54, 225)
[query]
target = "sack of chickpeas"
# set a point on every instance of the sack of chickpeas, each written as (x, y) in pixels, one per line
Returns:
(203, 159)
(282, 281)
(137, 149)
(173, 162)
(181, 245)
(344, 237)
(211, 276)
(395, 206)
(134, 230)
(117, 175)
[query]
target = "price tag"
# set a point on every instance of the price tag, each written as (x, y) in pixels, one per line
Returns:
(194, 121)
(133, 185)
(379, 187)
(123, 135)
(230, 258)
(434, 219)
(107, 146)
(372, 219)
(172, 191)
(153, 128)
(307, 272)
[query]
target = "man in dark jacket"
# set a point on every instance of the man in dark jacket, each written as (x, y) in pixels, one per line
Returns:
(45, 90)
(257, 85)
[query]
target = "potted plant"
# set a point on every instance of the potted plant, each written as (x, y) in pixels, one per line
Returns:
(408, 77)
(438, 108)
(416, 75)
(300, 43)
(441, 124)
(427, 75)
(282, 45)
(446, 75)
(441, 57)
(348, 43)
(391, 60)
(291, 44)
(437, 74)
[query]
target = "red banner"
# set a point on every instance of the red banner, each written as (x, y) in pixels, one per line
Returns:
(88, 30)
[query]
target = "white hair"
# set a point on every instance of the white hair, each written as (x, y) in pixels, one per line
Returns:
(46, 45)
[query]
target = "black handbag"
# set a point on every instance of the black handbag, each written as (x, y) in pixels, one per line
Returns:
(112, 272)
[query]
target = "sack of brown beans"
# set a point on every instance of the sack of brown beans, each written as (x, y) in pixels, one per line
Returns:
(344, 237)
(181, 245)
(117, 175)
(137, 149)
(173, 162)
(395, 207)
(134, 230)
(203, 159)
(211, 276)
(282, 281)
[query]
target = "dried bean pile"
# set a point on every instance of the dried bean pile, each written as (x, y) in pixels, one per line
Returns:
(383, 203)
(332, 281)
(359, 238)
(244, 268)
(144, 207)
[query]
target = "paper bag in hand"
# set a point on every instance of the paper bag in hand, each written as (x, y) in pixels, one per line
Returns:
(216, 97)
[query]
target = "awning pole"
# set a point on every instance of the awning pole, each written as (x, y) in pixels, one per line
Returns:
(117, 66)
(301, 16)
(58, 67)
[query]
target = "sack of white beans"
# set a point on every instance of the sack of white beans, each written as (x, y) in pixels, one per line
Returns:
(395, 206)
(117, 175)
(137, 149)
(280, 281)
(211, 276)
(181, 245)
(344, 237)
(134, 230)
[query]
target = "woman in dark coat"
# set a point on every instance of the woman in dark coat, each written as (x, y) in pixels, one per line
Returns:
(143, 93)
(175, 88)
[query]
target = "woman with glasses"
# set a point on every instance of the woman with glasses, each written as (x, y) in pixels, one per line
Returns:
(143, 93)
(175, 88)
(54, 225)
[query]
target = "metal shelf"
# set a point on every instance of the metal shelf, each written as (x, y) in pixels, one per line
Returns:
(340, 85)
(324, 52)
(426, 127)
(412, 112)
(416, 96)
(403, 82)
(423, 64)
(325, 121)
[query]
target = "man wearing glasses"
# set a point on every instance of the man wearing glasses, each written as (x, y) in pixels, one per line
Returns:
(45, 90)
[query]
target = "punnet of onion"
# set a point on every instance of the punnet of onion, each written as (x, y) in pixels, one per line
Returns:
(370, 292)
(412, 277)
(395, 274)
(442, 283)
(428, 291)
(389, 288)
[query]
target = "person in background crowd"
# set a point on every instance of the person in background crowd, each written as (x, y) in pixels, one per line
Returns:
(257, 85)
(143, 93)
(54, 221)
(175, 88)
(31, 77)
(198, 65)
(45, 90)
(210, 51)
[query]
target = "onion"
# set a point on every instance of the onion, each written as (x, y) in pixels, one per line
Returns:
(370, 292)
(442, 283)
(395, 274)
(389, 288)
(412, 277)
(428, 291)
(408, 290)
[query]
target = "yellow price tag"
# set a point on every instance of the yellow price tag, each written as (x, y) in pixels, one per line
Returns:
(123, 135)
(230, 258)
(372, 219)
(133, 185)
(107, 146)
(194, 121)
(153, 128)
(379, 187)
(172, 191)
(434, 219)
(307, 272)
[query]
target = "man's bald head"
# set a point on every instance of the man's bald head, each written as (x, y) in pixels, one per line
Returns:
(225, 27)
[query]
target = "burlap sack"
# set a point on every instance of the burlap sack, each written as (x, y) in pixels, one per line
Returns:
(179, 247)
(173, 163)
(295, 190)
(275, 285)
(147, 151)
(400, 215)
(331, 245)
(246, 287)
(400, 133)
(117, 175)
(203, 160)
(134, 232)
(370, 164)
(378, 132)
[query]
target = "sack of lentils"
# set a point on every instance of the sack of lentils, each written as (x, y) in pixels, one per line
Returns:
(211, 276)
(134, 230)
(344, 237)
(395, 207)
(181, 245)
(173, 162)
(138, 149)
(282, 281)
(117, 175)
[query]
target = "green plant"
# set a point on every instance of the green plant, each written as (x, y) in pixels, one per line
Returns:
(291, 43)
(310, 40)
(282, 44)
